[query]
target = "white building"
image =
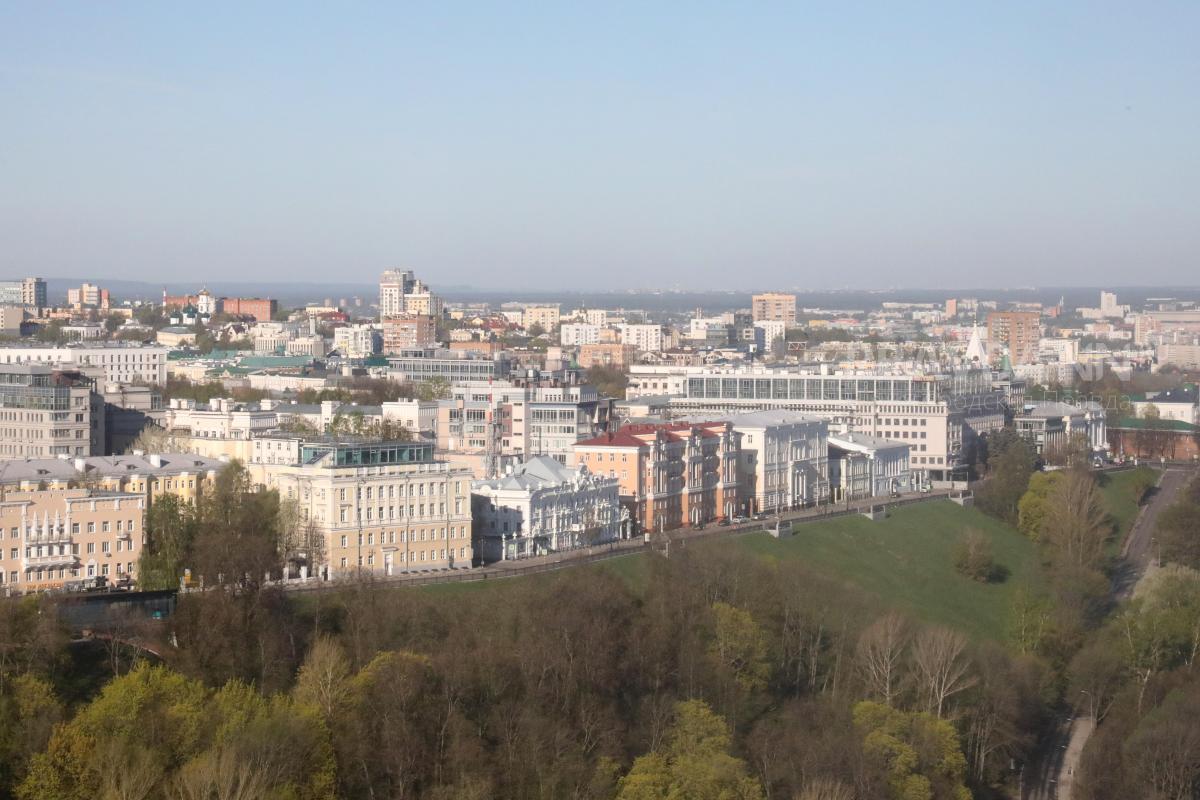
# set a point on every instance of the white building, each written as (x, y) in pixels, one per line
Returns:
(122, 362)
(789, 457)
(394, 284)
(596, 316)
(772, 329)
(867, 466)
(357, 341)
(1179, 404)
(574, 334)
(543, 507)
(646, 338)
(418, 416)
(220, 418)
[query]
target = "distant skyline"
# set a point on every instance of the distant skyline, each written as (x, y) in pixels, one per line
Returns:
(502, 146)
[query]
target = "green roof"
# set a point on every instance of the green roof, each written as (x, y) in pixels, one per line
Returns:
(1139, 424)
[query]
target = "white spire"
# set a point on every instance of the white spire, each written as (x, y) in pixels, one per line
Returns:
(976, 350)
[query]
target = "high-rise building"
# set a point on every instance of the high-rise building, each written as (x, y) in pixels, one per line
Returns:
(1020, 331)
(408, 332)
(88, 295)
(774, 306)
(28, 292)
(394, 284)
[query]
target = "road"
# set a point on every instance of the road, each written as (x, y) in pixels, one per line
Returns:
(1052, 773)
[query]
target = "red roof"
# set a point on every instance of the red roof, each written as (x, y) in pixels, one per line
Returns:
(618, 439)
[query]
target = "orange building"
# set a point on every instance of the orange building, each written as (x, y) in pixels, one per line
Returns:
(669, 474)
(606, 355)
(1020, 331)
(408, 332)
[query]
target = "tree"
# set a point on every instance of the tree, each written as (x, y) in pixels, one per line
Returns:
(974, 557)
(1009, 469)
(1077, 524)
(535, 330)
(695, 764)
(324, 680)
(919, 754)
(739, 646)
(940, 667)
(171, 528)
(1035, 503)
(880, 659)
(609, 381)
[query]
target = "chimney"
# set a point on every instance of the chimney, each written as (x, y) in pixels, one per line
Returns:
(155, 460)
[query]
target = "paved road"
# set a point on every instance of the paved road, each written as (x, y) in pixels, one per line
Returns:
(1052, 774)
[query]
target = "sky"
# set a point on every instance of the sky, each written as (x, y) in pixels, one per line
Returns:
(605, 145)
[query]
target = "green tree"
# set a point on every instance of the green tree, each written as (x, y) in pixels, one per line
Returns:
(171, 528)
(919, 753)
(739, 646)
(1035, 503)
(694, 764)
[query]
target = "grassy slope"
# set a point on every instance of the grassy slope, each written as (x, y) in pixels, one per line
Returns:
(906, 561)
(1117, 489)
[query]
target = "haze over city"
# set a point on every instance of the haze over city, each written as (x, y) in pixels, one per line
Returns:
(760, 401)
(706, 146)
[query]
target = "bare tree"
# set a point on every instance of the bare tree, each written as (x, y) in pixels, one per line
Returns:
(127, 771)
(1076, 522)
(941, 667)
(880, 656)
(825, 789)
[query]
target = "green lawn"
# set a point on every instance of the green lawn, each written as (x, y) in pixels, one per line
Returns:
(1118, 489)
(907, 561)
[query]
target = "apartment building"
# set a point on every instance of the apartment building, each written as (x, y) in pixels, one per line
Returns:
(940, 414)
(87, 295)
(381, 508)
(121, 362)
(408, 332)
(670, 474)
(543, 507)
(46, 411)
(503, 423)
(1019, 331)
(357, 341)
(646, 338)
(574, 334)
(50, 537)
(545, 316)
(776, 306)
(394, 284)
(606, 355)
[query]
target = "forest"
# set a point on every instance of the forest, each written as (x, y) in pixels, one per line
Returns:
(718, 674)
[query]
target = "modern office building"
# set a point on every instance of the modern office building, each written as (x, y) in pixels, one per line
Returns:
(940, 414)
(27, 292)
(46, 411)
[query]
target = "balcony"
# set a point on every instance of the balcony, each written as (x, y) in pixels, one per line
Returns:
(51, 562)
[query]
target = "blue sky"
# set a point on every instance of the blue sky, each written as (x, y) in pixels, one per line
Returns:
(612, 145)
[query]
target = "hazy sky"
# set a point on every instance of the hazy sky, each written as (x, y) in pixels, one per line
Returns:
(735, 145)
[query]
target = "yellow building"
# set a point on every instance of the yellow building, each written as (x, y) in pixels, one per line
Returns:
(145, 476)
(51, 537)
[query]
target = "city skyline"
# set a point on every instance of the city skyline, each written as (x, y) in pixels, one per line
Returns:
(521, 149)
